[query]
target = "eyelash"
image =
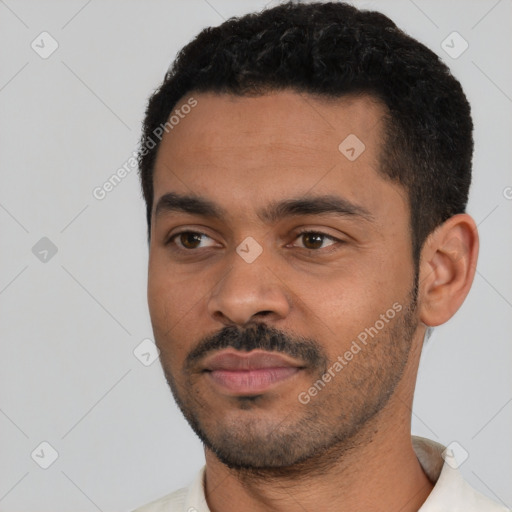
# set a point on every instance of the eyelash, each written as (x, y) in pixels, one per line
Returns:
(321, 233)
(300, 233)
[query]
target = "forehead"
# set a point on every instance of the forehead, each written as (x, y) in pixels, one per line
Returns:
(286, 117)
(277, 144)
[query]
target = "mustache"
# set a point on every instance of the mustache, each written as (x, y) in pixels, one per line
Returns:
(259, 336)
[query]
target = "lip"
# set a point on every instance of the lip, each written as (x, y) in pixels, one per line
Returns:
(230, 359)
(249, 373)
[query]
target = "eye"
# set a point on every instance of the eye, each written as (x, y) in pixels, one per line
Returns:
(315, 240)
(191, 240)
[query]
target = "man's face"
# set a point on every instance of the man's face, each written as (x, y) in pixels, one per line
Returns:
(233, 281)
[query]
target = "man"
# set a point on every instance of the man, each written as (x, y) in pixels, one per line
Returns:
(306, 173)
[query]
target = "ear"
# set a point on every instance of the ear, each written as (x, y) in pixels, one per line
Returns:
(447, 268)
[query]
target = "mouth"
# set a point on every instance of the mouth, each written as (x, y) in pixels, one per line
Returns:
(249, 373)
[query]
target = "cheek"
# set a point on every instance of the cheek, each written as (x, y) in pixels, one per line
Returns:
(165, 315)
(175, 300)
(167, 288)
(158, 290)
(351, 299)
(166, 298)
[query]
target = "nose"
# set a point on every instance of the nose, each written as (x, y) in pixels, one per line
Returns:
(248, 291)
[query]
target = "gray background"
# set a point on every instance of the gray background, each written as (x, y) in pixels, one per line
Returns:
(69, 324)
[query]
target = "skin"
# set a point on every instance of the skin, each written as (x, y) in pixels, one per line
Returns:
(350, 447)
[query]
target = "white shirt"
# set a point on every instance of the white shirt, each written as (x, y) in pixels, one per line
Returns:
(451, 493)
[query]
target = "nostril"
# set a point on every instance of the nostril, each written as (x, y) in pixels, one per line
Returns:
(263, 313)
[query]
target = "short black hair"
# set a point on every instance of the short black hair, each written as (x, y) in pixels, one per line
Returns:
(332, 50)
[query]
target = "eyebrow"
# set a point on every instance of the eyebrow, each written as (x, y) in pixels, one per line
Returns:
(277, 210)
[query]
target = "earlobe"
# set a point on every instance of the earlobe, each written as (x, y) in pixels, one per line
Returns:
(447, 268)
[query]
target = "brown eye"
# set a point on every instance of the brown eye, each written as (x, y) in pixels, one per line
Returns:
(313, 240)
(190, 240)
